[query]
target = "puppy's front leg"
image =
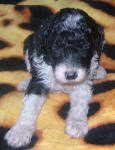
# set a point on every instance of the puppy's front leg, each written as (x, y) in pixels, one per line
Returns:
(21, 133)
(76, 123)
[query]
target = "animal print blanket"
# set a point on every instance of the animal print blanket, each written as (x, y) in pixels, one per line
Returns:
(18, 19)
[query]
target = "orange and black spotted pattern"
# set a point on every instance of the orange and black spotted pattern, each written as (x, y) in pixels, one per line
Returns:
(18, 19)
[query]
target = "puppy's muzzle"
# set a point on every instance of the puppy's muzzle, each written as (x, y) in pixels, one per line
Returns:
(70, 75)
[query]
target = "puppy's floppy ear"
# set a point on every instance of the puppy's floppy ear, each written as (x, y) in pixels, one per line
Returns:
(27, 43)
(100, 40)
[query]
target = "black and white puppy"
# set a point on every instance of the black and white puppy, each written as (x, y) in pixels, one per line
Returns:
(63, 56)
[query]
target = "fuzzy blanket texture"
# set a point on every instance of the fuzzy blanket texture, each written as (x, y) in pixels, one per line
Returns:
(18, 19)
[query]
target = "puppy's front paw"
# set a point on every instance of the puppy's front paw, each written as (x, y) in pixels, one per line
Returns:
(76, 128)
(19, 136)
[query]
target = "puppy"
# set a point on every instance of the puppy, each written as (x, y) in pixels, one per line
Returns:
(62, 56)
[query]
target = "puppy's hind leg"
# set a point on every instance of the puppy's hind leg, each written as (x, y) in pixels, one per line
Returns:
(22, 86)
(100, 73)
(97, 72)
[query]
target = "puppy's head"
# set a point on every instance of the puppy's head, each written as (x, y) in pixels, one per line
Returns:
(70, 56)
(72, 40)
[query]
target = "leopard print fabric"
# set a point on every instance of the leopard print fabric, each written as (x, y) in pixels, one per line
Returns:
(18, 19)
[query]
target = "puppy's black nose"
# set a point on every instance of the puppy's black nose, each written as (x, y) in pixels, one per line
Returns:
(70, 75)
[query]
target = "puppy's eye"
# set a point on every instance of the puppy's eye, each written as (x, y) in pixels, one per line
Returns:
(86, 46)
(85, 60)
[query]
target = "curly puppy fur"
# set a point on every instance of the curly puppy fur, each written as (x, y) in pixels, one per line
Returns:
(62, 56)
